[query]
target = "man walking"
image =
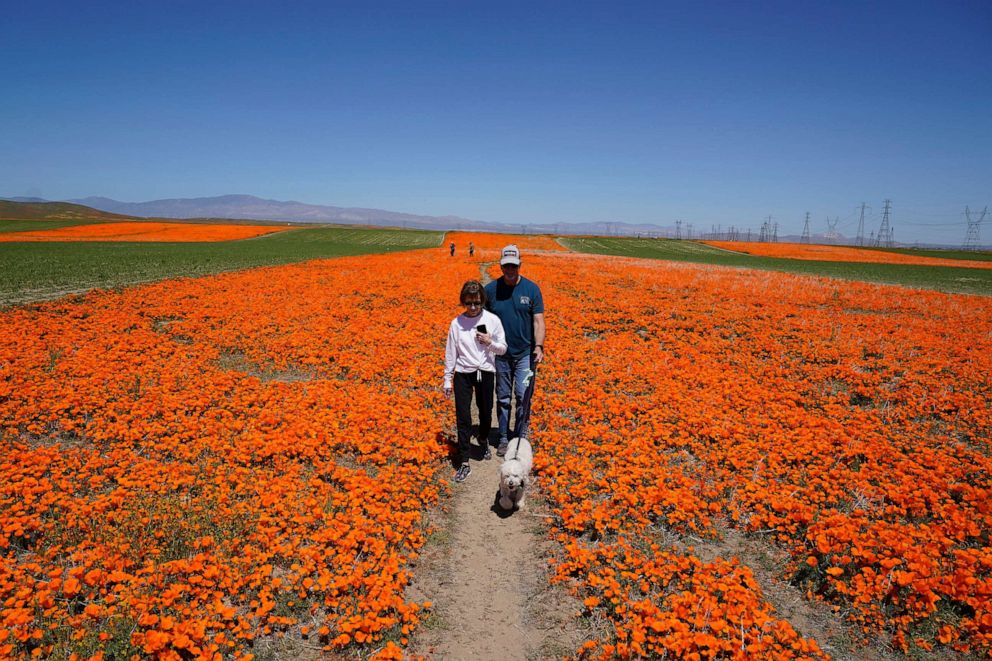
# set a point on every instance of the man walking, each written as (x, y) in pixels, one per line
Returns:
(518, 303)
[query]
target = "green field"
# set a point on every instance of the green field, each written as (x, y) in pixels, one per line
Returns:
(973, 255)
(38, 225)
(941, 278)
(44, 270)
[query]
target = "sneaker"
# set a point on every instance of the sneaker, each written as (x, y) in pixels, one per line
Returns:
(488, 454)
(503, 447)
(463, 472)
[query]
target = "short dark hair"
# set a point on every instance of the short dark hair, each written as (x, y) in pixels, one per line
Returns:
(471, 288)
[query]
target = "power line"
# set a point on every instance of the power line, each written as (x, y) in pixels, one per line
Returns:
(957, 224)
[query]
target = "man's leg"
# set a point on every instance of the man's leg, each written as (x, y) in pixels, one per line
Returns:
(522, 383)
(504, 372)
(523, 411)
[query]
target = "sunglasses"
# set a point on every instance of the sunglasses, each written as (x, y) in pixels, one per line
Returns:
(473, 304)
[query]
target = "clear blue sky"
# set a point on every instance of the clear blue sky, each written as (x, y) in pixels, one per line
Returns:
(524, 112)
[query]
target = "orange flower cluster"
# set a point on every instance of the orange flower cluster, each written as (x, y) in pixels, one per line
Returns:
(141, 231)
(488, 246)
(849, 423)
(823, 253)
(193, 465)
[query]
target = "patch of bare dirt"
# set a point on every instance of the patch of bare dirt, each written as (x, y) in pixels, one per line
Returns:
(236, 361)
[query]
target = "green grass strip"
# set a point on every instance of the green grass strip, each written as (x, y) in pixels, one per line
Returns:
(969, 255)
(941, 278)
(45, 270)
(37, 225)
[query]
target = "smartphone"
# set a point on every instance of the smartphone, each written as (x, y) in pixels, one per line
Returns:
(481, 328)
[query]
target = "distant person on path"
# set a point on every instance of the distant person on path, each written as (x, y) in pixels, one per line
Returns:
(518, 303)
(452, 248)
(471, 249)
(475, 340)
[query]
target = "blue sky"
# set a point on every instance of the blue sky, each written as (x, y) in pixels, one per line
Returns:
(711, 112)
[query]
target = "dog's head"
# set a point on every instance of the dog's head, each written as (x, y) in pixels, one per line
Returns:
(512, 474)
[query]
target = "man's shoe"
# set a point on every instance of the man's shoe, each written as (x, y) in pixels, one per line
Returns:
(503, 447)
(463, 472)
(488, 454)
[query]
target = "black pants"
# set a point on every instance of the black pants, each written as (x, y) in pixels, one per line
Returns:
(483, 384)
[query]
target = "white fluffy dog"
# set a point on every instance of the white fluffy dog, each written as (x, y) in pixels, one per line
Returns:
(514, 474)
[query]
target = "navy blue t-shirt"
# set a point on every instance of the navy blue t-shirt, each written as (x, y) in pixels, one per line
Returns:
(516, 306)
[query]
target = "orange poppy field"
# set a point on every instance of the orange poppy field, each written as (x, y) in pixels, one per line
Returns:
(142, 231)
(825, 253)
(194, 466)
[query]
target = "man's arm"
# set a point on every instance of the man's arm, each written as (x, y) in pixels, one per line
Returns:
(539, 337)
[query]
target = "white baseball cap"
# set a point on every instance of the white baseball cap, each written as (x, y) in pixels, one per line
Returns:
(511, 255)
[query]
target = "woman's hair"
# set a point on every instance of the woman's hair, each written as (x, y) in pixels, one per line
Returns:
(473, 288)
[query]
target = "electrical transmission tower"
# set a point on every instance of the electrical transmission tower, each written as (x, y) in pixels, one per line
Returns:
(832, 234)
(861, 226)
(805, 236)
(678, 230)
(971, 240)
(884, 237)
(768, 233)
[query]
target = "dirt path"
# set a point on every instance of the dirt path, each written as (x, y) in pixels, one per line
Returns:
(486, 572)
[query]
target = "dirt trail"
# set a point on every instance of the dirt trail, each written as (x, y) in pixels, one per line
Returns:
(486, 572)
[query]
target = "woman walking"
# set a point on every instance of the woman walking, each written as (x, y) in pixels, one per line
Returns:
(475, 338)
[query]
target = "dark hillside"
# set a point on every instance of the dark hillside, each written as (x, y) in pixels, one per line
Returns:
(10, 210)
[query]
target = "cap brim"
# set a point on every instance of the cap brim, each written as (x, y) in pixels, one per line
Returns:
(504, 262)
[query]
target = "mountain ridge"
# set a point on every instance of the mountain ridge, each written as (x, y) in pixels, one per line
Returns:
(250, 207)
(37, 209)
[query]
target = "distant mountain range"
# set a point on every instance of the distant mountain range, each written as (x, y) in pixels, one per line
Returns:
(249, 207)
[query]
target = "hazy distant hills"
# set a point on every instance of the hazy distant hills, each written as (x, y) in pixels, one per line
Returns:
(249, 207)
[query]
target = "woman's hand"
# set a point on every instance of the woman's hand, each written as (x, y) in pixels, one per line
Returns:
(447, 391)
(483, 338)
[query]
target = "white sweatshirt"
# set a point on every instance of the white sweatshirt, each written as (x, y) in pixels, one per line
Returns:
(464, 353)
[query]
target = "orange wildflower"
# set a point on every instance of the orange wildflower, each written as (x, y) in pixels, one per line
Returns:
(825, 253)
(144, 231)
